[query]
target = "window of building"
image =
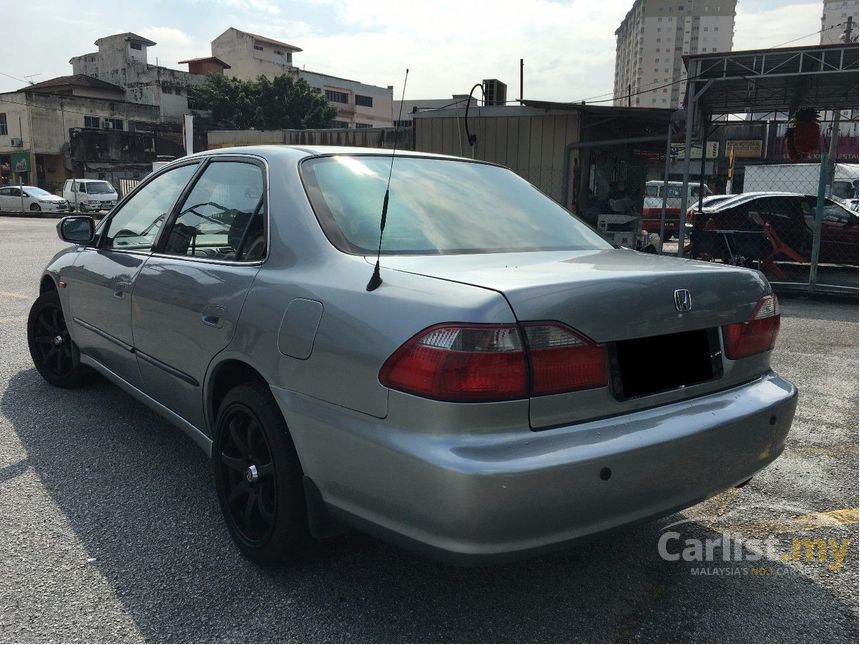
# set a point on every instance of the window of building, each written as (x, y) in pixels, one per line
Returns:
(4, 128)
(403, 123)
(167, 89)
(363, 125)
(279, 52)
(113, 124)
(716, 28)
(259, 48)
(366, 101)
(340, 124)
(337, 97)
(135, 46)
(91, 122)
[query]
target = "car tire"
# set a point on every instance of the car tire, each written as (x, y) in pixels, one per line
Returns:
(54, 353)
(258, 478)
(35, 207)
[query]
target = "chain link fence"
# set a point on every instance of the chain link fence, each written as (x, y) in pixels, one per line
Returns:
(797, 223)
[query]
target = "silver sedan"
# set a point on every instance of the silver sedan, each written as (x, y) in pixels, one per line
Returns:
(503, 381)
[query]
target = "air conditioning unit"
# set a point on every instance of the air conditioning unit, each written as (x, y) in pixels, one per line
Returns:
(495, 92)
(15, 142)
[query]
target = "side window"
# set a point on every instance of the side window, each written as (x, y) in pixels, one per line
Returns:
(223, 215)
(835, 213)
(5, 192)
(136, 224)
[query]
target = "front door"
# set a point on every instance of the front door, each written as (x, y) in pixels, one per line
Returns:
(102, 278)
(189, 294)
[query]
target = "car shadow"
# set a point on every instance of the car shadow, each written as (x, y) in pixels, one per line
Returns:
(139, 496)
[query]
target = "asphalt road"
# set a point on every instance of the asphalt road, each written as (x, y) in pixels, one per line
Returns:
(110, 530)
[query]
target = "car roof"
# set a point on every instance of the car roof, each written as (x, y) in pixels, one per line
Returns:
(86, 181)
(742, 198)
(304, 151)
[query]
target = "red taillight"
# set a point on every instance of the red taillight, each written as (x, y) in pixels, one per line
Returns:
(562, 360)
(473, 362)
(467, 363)
(755, 336)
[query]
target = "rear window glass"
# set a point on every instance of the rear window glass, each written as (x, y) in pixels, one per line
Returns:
(437, 206)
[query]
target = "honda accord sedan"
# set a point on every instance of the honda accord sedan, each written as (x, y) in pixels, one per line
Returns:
(504, 381)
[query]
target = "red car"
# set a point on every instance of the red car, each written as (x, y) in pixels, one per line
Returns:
(774, 226)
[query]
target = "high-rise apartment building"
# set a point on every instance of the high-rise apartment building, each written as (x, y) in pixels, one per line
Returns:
(654, 36)
(834, 18)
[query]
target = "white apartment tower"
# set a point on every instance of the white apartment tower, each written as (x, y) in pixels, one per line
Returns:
(834, 18)
(654, 36)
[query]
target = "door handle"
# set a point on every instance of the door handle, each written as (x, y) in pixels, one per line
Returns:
(213, 315)
(120, 288)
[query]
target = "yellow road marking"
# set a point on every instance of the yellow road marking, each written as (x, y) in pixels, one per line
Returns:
(838, 517)
(12, 294)
(808, 522)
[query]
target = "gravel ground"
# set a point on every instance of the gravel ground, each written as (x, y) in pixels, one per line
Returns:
(110, 530)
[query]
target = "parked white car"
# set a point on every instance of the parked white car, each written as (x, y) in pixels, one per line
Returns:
(89, 194)
(33, 199)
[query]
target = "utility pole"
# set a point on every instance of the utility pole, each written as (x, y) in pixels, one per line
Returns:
(629, 95)
(521, 81)
(834, 125)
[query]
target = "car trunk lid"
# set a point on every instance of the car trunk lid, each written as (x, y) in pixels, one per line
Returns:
(617, 297)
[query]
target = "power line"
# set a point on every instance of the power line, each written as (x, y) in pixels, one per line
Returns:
(794, 40)
(15, 78)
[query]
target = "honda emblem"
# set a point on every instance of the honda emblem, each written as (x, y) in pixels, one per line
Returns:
(683, 300)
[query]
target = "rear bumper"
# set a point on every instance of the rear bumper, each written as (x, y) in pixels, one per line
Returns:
(477, 497)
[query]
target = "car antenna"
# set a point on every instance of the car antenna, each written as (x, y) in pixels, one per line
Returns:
(376, 279)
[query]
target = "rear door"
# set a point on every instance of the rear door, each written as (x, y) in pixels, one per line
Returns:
(101, 280)
(189, 294)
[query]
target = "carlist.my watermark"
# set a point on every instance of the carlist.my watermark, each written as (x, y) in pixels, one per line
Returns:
(733, 554)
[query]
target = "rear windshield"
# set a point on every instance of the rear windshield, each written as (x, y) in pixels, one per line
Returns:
(437, 206)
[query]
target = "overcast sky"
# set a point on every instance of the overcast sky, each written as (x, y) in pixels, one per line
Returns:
(568, 45)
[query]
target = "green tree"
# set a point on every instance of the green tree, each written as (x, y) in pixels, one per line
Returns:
(282, 103)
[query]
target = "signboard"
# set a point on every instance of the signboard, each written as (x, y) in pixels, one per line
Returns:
(712, 149)
(20, 162)
(744, 148)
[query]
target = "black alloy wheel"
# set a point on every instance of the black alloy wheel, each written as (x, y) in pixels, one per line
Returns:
(52, 349)
(259, 479)
(248, 476)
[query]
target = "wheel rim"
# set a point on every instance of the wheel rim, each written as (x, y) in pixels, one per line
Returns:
(52, 342)
(35, 207)
(247, 476)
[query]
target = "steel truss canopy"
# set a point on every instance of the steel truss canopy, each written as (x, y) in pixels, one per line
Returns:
(774, 80)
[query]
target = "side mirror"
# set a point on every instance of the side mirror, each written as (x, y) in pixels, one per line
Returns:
(76, 229)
